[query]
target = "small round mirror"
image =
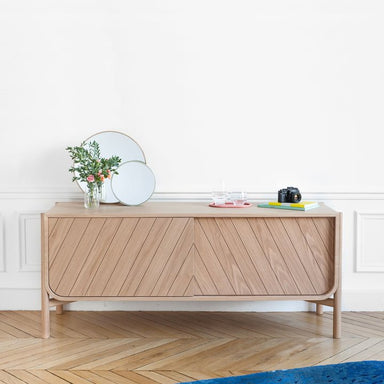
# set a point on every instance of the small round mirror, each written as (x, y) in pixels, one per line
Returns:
(134, 184)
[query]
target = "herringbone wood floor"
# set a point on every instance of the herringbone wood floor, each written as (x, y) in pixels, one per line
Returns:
(171, 347)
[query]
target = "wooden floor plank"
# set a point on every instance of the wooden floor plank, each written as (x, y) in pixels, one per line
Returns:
(170, 324)
(27, 377)
(173, 321)
(155, 353)
(163, 329)
(157, 377)
(321, 325)
(373, 325)
(375, 352)
(136, 378)
(59, 325)
(172, 347)
(130, 322)
(48, 377)
(113, 377)
(232, 355)
(29, 357)
(312, 354)
(374, 315)
(177, 376)
(288, 327)
(233, 327)
(9, 345)
(5, 334)
(99, 320)
(181, 359)
(203, 322)
(70, 377)
(201, 374)
(8, 378)
(93, 377)
(69, 358)
(23, 330)
(108, 360)
(88, 329)
(352, 352)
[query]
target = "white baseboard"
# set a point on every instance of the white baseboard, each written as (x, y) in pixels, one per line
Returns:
(29, 299)
(363, 300)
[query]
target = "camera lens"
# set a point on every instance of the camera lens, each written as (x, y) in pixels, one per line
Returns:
(296, 197)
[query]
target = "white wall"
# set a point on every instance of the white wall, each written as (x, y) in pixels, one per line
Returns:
(261, 94)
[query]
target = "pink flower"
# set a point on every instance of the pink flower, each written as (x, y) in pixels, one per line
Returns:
(102, 178)
(91, 178)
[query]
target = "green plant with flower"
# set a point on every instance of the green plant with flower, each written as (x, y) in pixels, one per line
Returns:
(90, 167)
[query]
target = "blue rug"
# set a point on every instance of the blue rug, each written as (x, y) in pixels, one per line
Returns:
(362, 372)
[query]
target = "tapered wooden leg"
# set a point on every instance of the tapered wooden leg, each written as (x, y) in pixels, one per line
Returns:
(337, 314)
(45, 327)
(59, 309)
(319, 309)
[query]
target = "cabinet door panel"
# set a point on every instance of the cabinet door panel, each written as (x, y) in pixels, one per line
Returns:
(264, 256)
(124, 257)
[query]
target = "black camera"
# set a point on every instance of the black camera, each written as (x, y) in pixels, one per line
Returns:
(289, 195)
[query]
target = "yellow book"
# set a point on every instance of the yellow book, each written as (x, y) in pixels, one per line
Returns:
(302, 206)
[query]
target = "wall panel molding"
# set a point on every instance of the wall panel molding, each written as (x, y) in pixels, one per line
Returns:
(29, 241)
(369, 247)
(67, 194)
(2, 246)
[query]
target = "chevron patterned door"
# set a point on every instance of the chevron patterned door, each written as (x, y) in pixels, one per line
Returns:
(121, 257)
(264, 256)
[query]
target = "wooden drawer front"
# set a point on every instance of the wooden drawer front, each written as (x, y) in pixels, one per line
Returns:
(264, 256)
(120, 256)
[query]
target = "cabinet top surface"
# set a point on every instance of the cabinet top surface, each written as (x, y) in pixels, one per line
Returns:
(180, 209)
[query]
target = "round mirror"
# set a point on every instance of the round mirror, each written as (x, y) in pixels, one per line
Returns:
(134, 184)
(113, 143)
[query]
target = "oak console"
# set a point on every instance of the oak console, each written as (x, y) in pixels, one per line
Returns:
(189, 251)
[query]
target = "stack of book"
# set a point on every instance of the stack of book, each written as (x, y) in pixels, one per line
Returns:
(302, 206)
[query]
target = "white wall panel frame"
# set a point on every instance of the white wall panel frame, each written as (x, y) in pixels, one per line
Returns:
(369, 244)
(29, 241)
(2, 246)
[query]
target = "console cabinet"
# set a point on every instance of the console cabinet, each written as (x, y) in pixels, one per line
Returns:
(189, 251)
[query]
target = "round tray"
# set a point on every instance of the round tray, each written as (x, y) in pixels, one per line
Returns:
(230, 205)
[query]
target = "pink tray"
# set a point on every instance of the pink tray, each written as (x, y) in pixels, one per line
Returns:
(230, 205)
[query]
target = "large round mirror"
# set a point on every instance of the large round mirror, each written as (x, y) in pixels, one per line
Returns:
(113, 143)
